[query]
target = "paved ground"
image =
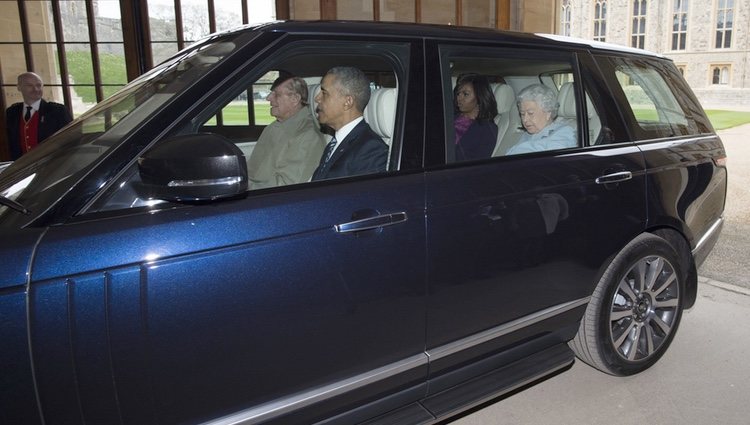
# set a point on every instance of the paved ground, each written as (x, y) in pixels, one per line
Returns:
(704, 378)
(730, 259)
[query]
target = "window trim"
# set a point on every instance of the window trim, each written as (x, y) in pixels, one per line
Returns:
(724, 74)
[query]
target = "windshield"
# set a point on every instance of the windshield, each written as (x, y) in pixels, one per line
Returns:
(47, 172)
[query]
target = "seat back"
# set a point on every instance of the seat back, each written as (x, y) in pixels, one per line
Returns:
(566, 101)
(380, 112)
(508, 121)
(312, 91)
(567, 110)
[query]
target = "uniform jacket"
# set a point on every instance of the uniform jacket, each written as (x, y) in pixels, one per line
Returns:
(52, 117)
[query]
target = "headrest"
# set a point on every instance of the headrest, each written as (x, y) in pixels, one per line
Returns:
(380, 112)
(505, 98)
(312, 91)
(566, 98)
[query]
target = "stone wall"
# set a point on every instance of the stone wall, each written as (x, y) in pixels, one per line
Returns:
(700, 55)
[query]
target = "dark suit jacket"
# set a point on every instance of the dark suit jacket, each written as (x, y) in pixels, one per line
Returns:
(478, 142)
(52, 117)
(361, 152)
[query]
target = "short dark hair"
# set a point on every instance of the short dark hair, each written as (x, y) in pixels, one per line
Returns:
(353, 83)
(483, 92)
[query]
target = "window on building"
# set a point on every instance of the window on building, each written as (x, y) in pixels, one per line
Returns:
(679, 24)
(720, 74)
(78, 48)
(565, 18)
(638, 30)
(478, 13)
(724, 18)
(600, 20)
(175, 25)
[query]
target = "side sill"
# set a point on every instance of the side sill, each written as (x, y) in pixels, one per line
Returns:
(498, 382)
(275, 409)
(279, 408)
(481, 389)
(505, 329)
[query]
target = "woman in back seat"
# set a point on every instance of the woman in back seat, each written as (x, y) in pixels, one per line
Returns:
(537, 105)
(475, 110)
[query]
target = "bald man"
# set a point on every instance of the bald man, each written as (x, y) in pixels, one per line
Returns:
(30, 122)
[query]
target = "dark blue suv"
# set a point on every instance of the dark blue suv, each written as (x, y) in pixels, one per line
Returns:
(146, 278)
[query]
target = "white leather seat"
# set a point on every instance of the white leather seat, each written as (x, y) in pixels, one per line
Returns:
(312, 91)
(380, 112)
(508, 121)
(567, 110)
(566, 100)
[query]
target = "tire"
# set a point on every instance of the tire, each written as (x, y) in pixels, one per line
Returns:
(635, 309)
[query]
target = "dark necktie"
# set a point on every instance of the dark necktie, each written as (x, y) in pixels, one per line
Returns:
(327, 153)
(27, 117)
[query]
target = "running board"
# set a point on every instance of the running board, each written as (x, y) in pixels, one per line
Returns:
(480, 389)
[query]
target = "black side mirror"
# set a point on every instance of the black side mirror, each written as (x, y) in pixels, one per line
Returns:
(194, 167)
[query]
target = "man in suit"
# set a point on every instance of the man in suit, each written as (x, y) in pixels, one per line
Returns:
(30, 122)
(355, 148)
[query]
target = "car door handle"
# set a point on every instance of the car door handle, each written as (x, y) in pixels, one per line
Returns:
(614, 177)
(371, 223)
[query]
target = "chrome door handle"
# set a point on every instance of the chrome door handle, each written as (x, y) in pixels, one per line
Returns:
(371, 223)
(614, 177)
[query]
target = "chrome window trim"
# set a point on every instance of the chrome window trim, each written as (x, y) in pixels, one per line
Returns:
(282, 406)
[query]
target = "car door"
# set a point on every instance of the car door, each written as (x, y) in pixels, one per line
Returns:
(289, 303)
(17, 390)
(516, 241)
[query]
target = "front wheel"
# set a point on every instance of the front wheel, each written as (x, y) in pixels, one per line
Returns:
(635, 309)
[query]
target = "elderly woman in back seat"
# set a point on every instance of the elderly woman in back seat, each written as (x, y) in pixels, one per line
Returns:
(475, 110)
(537, 105)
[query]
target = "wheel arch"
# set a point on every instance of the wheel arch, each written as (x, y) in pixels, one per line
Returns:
(680, 243)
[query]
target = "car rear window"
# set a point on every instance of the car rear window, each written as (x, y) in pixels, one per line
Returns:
(660, 103)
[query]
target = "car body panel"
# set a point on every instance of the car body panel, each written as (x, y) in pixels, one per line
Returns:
(270, 308)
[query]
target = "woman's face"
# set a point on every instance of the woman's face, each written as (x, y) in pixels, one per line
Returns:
(533, 117)
(466, 100)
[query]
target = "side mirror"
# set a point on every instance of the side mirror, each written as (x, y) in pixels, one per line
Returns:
(194, 167)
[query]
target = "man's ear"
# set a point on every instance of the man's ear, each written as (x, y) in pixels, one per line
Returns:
(348, 102)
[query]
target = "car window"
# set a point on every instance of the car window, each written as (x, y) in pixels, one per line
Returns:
(46, 173)
(273, 115)
(657, 104)
(507, 102)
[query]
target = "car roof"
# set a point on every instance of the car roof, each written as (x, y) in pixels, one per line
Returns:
(441, 32)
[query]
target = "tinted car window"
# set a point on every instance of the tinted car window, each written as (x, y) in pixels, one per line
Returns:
(659, 104)
(493, 81)
(45, 173)
(384, 66)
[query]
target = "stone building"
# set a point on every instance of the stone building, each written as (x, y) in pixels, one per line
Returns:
(709, 40)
